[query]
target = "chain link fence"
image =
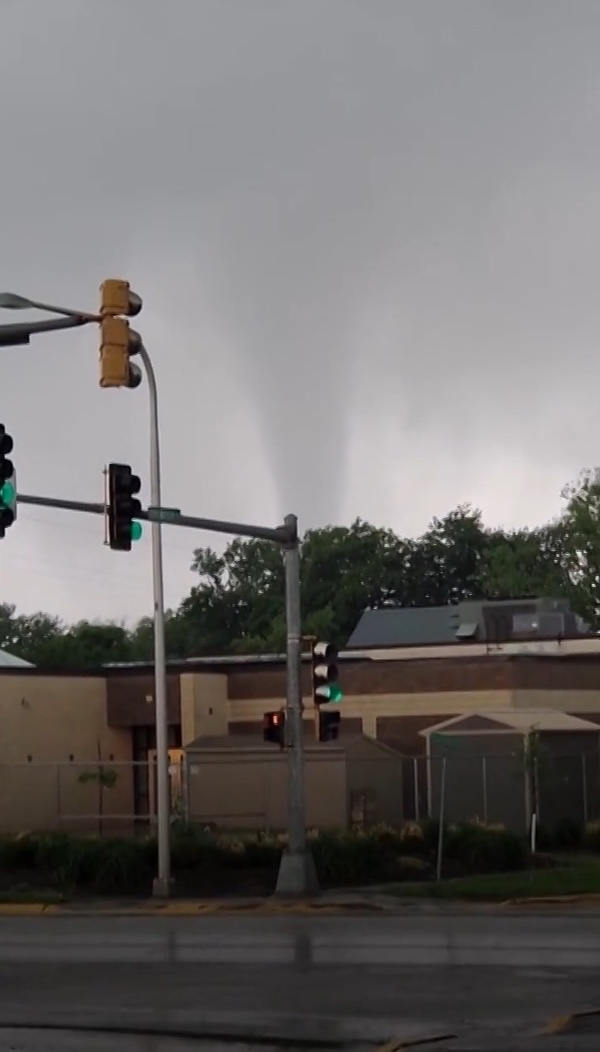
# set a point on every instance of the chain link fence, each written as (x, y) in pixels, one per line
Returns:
(119, 798)
(503, 790)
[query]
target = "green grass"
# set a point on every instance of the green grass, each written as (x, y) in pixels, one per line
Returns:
(32, 896)
(576, 876)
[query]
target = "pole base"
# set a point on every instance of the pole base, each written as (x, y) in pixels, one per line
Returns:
(297, 875)
(162, 887)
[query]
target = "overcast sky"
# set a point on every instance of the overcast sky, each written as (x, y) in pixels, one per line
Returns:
(367, 235)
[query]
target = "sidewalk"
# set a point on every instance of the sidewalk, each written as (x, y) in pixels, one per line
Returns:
(325, 904)
(362, 902)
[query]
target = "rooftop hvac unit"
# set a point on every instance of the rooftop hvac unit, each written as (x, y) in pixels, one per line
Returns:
(542, 625)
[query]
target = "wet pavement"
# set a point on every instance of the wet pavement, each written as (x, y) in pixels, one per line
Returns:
(343, 982)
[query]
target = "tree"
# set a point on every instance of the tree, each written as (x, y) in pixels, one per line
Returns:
(447, 561)
(523, 562)
(346, 569)
(579, 533)
(47, 642)
(28, 636)
(104, 778)
(237, 603)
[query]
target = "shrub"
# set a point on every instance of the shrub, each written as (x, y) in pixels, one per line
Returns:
(484, 849)
(568, 835)
(204, 857)
(591, 836)
(358, 857)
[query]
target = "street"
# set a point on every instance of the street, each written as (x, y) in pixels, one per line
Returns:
(487, 978)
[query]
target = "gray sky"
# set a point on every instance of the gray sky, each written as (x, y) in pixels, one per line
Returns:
(366, 233)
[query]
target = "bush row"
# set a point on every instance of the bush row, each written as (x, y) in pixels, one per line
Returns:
(567, 835)
(207, 861)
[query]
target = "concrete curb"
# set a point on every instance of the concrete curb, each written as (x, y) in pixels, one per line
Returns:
(564, 1024)
(27, 909)
(554, 900)
(190, 908)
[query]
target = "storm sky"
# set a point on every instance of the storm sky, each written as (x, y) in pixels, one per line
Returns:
(367, 236)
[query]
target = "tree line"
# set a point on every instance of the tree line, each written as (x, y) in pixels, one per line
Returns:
(236, 603)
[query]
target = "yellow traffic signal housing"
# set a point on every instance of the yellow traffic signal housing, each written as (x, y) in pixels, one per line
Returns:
(116, 298)
(117, 343)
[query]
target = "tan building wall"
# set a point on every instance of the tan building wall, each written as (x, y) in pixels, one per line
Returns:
(367, 713)
(247, 788)
(204, 705)
(374, 776)
(52, 730)
(576, 702)
(52, 725)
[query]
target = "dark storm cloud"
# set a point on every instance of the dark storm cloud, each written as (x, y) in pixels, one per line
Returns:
(365, 233)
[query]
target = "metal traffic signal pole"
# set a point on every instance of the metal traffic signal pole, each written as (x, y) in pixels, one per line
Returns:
(297, 875)
(162, 882)
(118, 344)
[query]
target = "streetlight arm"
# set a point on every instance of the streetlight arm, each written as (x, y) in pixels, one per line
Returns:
(19, 333)
(11, 301)
(66, 312)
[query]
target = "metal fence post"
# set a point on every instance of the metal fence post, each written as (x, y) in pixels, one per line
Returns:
(440, 845)
(185, 796)
(416, 789)
(58, 797)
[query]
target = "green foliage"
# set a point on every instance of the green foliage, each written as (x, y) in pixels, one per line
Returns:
(103, 776)
(236, 603)
(484, 849)
(591, 837)
(213, 861)
(567, 835)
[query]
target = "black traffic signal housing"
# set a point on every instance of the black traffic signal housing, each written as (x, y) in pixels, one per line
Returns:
(329, 725)
(123, 507)
(274, 727)
(325, 684)
(8, 495)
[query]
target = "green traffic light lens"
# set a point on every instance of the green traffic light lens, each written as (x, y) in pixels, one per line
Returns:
(7, 494)
(335, 692)
(136, 531)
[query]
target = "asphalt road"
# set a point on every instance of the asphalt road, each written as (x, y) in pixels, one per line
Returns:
(490, 979)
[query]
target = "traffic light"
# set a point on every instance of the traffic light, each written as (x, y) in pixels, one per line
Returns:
(8, 485)
(329, 725)
(274, 727)
(123, 507)
(118, 343)
(325, 674)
